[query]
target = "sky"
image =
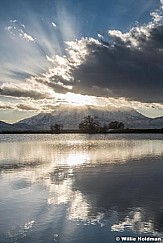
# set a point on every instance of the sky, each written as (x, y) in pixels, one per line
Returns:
(81, 52)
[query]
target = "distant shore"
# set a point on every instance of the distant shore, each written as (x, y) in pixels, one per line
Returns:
(67, 131)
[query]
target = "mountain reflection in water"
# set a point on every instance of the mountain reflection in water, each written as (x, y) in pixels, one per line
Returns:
(80, 188)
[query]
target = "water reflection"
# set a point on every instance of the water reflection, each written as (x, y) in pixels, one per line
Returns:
(78, 149)
(114, 184)
(134, 221)
(133, 191)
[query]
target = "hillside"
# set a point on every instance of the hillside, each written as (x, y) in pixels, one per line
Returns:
(70, 117)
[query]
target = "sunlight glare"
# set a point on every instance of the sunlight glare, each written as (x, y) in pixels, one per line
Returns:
(77, 99)
(77, 159)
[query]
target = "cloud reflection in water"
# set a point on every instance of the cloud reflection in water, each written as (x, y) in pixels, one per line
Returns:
(114, 183)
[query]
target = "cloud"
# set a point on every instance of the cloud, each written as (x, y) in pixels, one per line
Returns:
(49, 104)
(100, 36)
(127, 65)
(124, 70)
(9, 28)
(64, 65)
(49, 59)
(13, 21)
(27, 107)
(31, 89)
(16, 31)
(53, 24)
(24, 48)
(4, 106)
(25, 36)
(161, 1)
(130, 65)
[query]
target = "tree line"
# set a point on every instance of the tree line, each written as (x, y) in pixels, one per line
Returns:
(91, 124)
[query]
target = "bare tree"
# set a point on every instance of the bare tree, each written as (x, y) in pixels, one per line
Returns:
(90, 124)
(56, 128)
(116, 125)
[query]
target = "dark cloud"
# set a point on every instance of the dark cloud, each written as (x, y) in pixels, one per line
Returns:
(57, 83)
(130, 65)
(15, 91)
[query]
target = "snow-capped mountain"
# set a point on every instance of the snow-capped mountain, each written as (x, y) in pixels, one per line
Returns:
(71, 116)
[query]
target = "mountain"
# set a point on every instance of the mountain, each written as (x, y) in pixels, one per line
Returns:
(5, 126)
(14, 127)
(71, 116)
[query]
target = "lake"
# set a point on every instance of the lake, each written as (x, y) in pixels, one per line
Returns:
(81, 188)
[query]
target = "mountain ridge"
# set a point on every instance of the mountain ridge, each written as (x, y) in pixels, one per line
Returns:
(70, 117)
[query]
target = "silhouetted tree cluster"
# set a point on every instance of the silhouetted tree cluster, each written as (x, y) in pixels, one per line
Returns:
(104, 128)
(116, 125)
(56, 128)
(90, 124)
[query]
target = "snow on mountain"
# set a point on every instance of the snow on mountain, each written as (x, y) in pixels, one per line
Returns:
(71, 116)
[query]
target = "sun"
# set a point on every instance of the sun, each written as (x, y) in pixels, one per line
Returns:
(78, 99)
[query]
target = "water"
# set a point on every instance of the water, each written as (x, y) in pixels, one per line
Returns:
(80, 188)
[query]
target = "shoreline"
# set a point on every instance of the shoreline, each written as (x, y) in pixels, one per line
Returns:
(85, 132)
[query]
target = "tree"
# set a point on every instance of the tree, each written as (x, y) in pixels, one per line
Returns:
(90, 124)
(121, 125)
(56, 128)
(104, 128)
(116, 125)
